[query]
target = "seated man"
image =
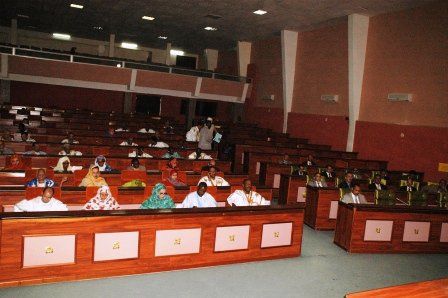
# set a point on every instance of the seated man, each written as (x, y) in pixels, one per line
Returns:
(409, 185)
(442, 187)
(317, 181)
(328, 174)
(171, 154)
(70, 139)
(67, 151)
(376, 183)
(46, 202)
(35, 150)
(199, 198)
(211, 163)
(140, 153)
(310, 160)
(212, 180)
(300, 170)
(193, 134)
(41, 180)
(101, 163)
(198, 154)
(5, 150)
(110, 132)
(246, 196)
(146, 129)
(25, 137)
(348, 181)
(135, 165)
(354, 196)
(129, 142)
(156, 143)
(285, 160)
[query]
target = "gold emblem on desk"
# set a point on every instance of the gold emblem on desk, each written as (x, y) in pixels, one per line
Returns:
(49, 250)
(116, 245)
(416, 231)
(177, 241)
(378, 230)
(232, 238)
(276, 234)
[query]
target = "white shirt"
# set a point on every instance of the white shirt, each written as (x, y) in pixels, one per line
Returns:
(124, 143)
(121, 129)
(203, 156)
(143, 130)
(144, 155)
(159, 145)
(65, 141)
(355, 199)
(378, 186)
(194, 200)
(193, 134)
(241, 198)
(37, 204)
(218, 181)
(72, 153)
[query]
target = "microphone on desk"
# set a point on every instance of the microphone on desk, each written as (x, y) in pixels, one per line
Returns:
(402, 201)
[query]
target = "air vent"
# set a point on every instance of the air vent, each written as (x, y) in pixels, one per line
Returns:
(399, 97)
(329, 97)
(213, 16)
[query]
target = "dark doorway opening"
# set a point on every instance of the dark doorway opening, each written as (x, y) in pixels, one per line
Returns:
(148, 105)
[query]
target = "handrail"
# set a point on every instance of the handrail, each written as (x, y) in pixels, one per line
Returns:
(73, 58)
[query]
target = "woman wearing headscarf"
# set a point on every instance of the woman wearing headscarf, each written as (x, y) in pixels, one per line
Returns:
(15, 163)
(103, 200)
(174, 180)
(41, 180)
(93, 178)
(172, 164)
(159, 199)
(100, 162)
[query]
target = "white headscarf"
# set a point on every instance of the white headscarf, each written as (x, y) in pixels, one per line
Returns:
(105, 189)
(102, 168)
(59, 167)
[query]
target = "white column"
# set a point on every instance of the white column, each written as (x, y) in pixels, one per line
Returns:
(211, 58)
(168, 54)
(112, 45)
(289, 53)
(244, 49)
(358, 27)
(13, 34)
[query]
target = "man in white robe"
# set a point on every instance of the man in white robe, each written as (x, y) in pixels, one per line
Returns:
(199, 198)
(246, 196)
(212, 180)
(46, 202)
(198, 154)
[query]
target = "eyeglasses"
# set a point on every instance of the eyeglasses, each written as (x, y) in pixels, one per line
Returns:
(163, 193)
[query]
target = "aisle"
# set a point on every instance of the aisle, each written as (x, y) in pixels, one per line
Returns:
(324, 270)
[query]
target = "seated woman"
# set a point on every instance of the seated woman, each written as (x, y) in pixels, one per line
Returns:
(103, 200)
(100, 162)
(172, 164)
(93, 178)
(159, 199)
(45, 202)
(173, 179)
(41, 180)
(135, 165)
(15, 163)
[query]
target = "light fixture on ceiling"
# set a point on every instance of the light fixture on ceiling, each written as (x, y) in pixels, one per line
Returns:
(208, 28)
(118, 65)
(78, 6)
(177, 52)
(260, 12)
(23, 16)
(148, 18)
(61, 36)
(98, 28)
(129, 45)
(163, 37)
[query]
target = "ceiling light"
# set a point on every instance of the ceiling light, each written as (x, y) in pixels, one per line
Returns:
(208, 28)
(118, 65)
(128, 45)
(78, 6)
(148, 18)
(23, 16)
(61, 36)
(177, 52)
(163, 37)
(98, 28)
(260, 12)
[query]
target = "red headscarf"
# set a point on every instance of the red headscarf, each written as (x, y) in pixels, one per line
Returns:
(19, 166)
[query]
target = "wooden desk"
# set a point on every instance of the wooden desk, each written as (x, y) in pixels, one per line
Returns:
(292, 189)
(399, 229)
(45, 247)
(433, 288)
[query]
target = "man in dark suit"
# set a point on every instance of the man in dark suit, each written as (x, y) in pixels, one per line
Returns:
(328, 173)
(409, 185)
(376, 184)
(309, 161)
(348, 181)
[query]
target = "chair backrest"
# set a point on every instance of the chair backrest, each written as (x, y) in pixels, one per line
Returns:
(104, 150)
(148, 191)
(129, 175)
(343, 191)
(79, 175)
(240, 187)
(415, 184)
(417, 198)
(385, 197)
(92, 190)
(205, 173)
(443, 199)
(31, 174)
(32, 192)
(181, 175)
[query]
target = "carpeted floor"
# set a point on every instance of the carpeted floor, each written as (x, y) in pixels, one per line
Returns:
(323, 270)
